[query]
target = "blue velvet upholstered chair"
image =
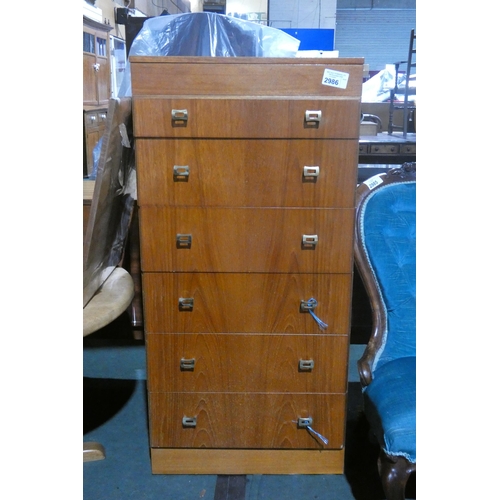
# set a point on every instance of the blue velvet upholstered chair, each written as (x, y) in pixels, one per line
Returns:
(385, 254)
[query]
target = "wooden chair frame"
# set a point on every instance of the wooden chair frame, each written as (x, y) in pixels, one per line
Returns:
(394, 471)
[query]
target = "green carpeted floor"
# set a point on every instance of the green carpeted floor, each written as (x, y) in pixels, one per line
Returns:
(115, 414)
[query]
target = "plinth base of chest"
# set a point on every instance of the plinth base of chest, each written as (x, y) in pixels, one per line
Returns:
(236, 462)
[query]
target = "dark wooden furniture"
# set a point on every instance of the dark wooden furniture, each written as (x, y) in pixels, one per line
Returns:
(386, 148)
(96, 86)
(246, 172)
(385, 255)
(96, 64)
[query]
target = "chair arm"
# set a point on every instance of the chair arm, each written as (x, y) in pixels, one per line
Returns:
(365, 364)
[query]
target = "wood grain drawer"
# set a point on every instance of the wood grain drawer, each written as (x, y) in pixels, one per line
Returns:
(258, 173)
(91, 119)
(231, 420)
(244, 76)
(246, 239)
(245, 303)
(246, 363)
(408, 149)
(246, 118)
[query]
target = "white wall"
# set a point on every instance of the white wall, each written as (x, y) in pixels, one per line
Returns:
(302, 13)
(245, 6)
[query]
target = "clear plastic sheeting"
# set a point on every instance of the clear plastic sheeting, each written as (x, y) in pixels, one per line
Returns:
(208, 34)
(378, 88)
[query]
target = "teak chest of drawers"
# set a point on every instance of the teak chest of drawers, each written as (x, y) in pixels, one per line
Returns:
(246, 172)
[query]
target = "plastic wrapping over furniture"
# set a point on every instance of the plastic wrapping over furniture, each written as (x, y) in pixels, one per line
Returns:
(207, 34)
(113, 200)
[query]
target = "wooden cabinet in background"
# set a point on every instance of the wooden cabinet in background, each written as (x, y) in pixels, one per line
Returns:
(246, 176)
(96, 65)
(96, 86)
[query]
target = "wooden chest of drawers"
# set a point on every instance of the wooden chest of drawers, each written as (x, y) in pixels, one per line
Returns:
(246, 172)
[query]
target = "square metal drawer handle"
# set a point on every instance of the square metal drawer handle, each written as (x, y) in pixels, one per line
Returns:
(311, 171)
(306, 365)
(188, 364)
(179, 117)
(312, 118)
(308, 305)
(181, 172)
(186, 303)
(303, 422)
(188, 421)
(183, 240)
(309, 240)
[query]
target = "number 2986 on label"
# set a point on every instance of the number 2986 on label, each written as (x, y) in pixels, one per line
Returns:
(334, 78)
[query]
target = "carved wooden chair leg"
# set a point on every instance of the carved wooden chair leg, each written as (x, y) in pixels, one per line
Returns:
(394, 473)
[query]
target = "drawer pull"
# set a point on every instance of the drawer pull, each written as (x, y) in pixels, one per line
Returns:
(181, 172)
(306, 423)
(179, 117)
(187, 364)
(309, 306)
(302, 423)
(183, 240)
(306, 365)
(186, 304)
(311, 172)
(312, 118)
(188, 421)
(309, 240)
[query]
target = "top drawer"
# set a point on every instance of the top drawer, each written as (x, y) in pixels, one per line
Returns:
(246, 118)
(246, 76)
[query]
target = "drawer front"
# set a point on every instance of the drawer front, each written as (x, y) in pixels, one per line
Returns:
(246, 239)
(408, 149)
(245, 303)
(102, 117)
(244, 76)
(384, 148)
(266, 421)
(247, 363)
(246, 118)
(91, 119)
(253, 173)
